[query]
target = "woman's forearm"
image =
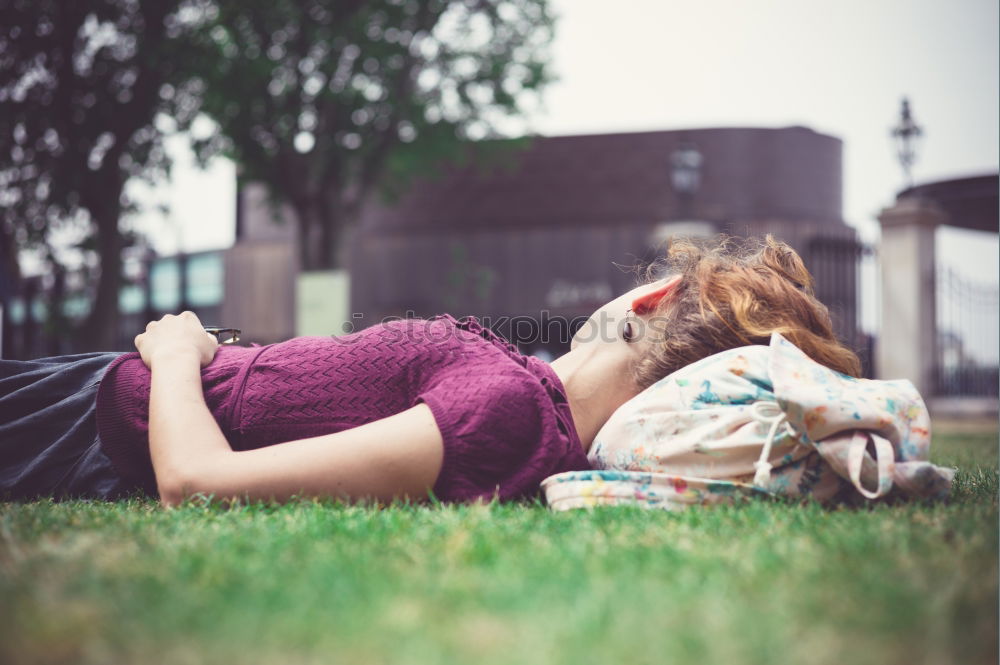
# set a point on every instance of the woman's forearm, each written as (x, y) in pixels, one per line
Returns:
(184, 438)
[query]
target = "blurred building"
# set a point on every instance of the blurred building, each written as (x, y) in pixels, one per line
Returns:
(170, 284)
(552, 230)
(152, 286)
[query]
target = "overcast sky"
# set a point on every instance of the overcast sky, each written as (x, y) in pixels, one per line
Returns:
(839, 68)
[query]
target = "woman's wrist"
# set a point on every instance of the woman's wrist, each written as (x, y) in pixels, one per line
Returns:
(176, 354)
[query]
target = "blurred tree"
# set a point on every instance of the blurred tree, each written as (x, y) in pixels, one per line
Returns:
(81, 84)
(323, 99)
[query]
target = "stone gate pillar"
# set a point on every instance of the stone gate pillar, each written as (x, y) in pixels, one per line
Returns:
(908, 337)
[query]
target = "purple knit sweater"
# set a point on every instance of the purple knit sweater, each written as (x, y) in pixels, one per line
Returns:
(503, 416)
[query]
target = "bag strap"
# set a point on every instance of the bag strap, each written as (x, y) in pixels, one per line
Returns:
(884, 460)
(769, 413)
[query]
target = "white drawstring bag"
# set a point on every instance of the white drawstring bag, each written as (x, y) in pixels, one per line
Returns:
(755, 421)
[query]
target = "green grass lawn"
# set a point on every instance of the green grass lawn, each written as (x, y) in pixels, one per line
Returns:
(319, 583)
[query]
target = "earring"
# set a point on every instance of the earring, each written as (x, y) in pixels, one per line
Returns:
(628, 334)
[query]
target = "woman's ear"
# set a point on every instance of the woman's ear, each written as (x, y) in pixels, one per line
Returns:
(648, 301)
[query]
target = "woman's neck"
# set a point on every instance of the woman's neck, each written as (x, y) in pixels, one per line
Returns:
(596, 385)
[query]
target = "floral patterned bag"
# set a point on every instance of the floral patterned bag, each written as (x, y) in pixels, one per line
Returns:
(756, 421)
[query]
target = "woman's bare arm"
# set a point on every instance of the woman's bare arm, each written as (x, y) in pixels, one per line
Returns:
(396, 457)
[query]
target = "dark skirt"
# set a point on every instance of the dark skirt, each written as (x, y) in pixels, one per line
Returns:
(48, 430)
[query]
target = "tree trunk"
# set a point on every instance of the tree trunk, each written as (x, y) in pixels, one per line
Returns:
(315, 246)
(10, 286)
(323, 235)
(328, 239)
(305, 223)
(57, 327)
(336, 222)
(100, 331)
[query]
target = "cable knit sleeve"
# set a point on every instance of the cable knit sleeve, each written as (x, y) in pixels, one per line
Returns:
(500, 431)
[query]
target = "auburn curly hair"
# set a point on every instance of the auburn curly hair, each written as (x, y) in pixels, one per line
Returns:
(735, 292)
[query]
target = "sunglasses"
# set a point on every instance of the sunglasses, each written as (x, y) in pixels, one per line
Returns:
(224, 335)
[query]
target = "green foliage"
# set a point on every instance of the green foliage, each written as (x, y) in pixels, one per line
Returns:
(325, 582)
(81, 84)
(321, 100)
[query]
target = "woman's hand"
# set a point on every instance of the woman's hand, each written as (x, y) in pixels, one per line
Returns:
(176, 335)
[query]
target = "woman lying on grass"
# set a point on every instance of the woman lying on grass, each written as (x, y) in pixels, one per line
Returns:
(398, 410)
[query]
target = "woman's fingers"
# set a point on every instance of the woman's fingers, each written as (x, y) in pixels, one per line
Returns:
(187, 315)
(180, 330)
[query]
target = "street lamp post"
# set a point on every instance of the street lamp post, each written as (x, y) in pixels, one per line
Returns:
(906, 135)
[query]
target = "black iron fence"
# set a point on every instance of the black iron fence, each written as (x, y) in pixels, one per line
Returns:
(968, 336)
(836, 266)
